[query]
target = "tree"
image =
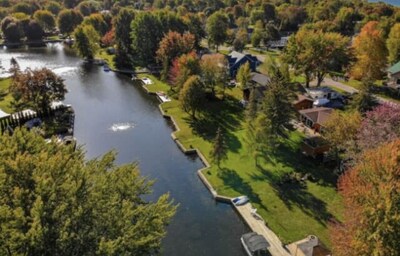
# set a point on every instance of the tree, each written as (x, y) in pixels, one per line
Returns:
(315, 53)
(70, 3)
(172, 46)
(182, 68)
(146, 35)
(240, 41)
(341, 130)
(38, 88)
(122, 25)
(109, 38)
(88, 7)
(379, 126)
(393, 44)
(216, 27)
(372, 205)
(214, 71)
(364, 100)
(219, 151)
(53, 7)
(277, 105)
(371, 53)
(53, 202)
(86, 41)
(191, 95)
(45, 19)
(97, 21)
(34, 32)
(68, 20)
(13, 32)
(243, 75)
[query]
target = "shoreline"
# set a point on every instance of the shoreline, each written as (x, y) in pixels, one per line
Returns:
(245, 212)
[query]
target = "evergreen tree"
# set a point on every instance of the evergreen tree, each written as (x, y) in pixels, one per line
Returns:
(364, 101)
(220, 149)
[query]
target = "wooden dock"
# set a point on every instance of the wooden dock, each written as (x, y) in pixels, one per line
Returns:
(257, 225)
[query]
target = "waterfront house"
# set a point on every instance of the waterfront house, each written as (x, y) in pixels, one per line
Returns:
(302, 102)
(394, 76)
(315, 118)
(237, 59)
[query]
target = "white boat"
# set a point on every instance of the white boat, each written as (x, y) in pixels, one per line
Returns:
(147, 80)
(255, 244)
(106, 68)
(241, 200)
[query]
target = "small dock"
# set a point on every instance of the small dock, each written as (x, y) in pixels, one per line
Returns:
(276, 247)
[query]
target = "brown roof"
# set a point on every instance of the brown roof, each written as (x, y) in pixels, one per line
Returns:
(317, 115)
(301, 98)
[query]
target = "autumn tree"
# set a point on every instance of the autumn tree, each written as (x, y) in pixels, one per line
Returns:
(109, 38)
(172, 46)
(38, 88)
(371, 198)
(341, 131)
(54, 202)
(68, 20)
(241, 39)
(243, 75)
(216, 27)
(53, 7)
(33, 31)
(191, 95)
(219, 151)
(315, 53)
(97, 21)
(45, 19)
(86, 41)
(214, 71)
(393, 44)
(182, 68)
(88, 7)
(370, 52)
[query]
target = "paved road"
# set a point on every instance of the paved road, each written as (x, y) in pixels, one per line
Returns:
(349, 89)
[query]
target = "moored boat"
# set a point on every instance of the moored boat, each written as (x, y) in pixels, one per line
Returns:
(255, 244)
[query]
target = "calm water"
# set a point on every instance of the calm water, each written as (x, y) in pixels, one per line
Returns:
(111, 113)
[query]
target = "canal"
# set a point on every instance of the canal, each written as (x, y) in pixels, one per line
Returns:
(113, 114)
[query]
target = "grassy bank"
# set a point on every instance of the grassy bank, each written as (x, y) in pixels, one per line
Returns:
(290, 210)
(5, 96)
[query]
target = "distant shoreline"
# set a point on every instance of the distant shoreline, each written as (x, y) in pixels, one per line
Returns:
(392, 2)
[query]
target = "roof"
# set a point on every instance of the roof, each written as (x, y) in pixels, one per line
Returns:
(255, 242)
(301, 98)
(310, 246)
(260, 79)
(3, 114)
(395, 68)
(235, 57)
(317, 115)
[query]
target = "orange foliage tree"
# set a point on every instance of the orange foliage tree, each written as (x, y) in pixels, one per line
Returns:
(371, 53)
(371, 193)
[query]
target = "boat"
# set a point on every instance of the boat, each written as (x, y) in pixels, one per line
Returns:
(106, 68)
(241, 200)
(255, 244)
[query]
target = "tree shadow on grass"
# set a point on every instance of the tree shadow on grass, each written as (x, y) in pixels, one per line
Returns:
(225, 114)
(234, 181)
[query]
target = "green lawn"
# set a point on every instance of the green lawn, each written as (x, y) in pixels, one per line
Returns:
(102, 54)
(5, 96)
(290, 210)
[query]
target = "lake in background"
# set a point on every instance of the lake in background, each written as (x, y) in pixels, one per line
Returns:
(112, 113)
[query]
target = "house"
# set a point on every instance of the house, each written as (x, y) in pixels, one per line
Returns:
(259, 83)
(278, 44)
(394, 76)
(315, 118)
(237, 59)
(310, 246)
(323, 93)
(314, 146)
(302, 102)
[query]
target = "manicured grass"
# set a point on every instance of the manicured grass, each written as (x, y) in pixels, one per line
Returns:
(5, 96)
(290, 210)
(157, 84)
(102, 54)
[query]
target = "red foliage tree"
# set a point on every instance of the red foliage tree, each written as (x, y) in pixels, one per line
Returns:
(109, 38)
(371, 194)
(182, 68)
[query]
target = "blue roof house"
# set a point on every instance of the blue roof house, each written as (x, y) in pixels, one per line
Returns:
(237, 59)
